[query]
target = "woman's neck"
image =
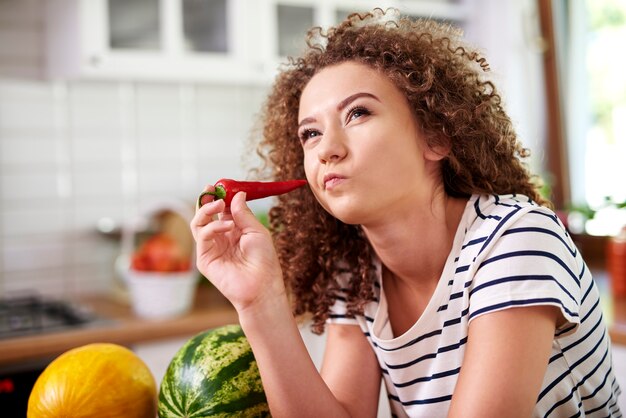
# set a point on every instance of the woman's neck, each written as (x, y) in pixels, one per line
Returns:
(413, 250)
(414, 245)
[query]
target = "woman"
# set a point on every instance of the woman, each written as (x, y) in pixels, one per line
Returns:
(423, 246)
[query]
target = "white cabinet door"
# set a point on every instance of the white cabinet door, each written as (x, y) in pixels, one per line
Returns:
(158, 354)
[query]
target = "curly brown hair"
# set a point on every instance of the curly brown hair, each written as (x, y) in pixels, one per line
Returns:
(443, 82)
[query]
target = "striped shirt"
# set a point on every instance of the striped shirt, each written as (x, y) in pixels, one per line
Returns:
(507, 252)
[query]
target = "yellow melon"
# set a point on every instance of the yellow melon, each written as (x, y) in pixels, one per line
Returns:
(96, 380)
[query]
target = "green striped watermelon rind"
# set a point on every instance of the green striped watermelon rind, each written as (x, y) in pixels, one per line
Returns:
(214, 374)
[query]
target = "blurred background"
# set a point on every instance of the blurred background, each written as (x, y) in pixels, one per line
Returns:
(112, 108)
(107, 106)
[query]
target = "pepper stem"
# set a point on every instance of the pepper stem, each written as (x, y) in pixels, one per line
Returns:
(219, 193)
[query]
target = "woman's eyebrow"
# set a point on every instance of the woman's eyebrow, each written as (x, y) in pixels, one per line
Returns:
(345, 102)
(305, 121)
(342, 105)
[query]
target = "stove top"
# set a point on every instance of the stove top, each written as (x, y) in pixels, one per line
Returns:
(31, 314)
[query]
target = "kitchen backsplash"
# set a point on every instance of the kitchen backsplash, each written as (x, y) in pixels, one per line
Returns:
(73, 153)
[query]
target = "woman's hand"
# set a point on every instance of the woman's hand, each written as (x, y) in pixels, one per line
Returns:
(235, 252)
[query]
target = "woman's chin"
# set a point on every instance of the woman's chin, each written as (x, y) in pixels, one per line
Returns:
(348, 212)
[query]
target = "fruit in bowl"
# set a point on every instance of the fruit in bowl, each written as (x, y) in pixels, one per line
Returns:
(160, 279)
(160, 253)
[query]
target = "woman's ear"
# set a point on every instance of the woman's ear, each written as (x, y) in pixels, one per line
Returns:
(437, 151)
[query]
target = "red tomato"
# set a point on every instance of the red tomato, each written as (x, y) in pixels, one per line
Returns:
(160, 253)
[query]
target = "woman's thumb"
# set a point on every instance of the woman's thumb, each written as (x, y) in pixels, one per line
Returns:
(242, 215)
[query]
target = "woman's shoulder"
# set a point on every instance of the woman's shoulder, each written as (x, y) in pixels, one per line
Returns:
(496, 209)
(490, 216)
(503, 203)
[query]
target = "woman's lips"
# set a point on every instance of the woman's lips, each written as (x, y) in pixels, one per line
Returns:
(332, 180)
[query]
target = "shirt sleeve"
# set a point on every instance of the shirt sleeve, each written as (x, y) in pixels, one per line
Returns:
(339, 311)
(530, 262)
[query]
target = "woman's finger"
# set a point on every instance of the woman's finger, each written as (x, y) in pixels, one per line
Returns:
(204, 216)
(207, 213)
(211, 240)
(225, 215)
(213, 229)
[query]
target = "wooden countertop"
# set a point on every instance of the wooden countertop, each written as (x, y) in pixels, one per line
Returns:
(210, 310)
(122, 327)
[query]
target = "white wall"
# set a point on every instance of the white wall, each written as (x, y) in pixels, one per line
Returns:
(508, 34)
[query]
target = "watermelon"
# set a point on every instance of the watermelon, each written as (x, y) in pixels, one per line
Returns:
(214, 374)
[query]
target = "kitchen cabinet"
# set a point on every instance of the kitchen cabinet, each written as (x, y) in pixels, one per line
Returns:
(289, 20)
(152, 39)
(619, 363)
(238, 41)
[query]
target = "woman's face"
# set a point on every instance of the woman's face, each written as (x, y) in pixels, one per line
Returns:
(364, 157)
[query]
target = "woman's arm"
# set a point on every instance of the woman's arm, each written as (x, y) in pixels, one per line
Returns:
(351, 376)
(236, 253)
(351, 370)
(505, 362)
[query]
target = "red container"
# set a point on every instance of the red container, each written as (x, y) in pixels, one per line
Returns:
(616, 263)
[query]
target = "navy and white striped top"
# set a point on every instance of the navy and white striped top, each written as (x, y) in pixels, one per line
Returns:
(507, 252)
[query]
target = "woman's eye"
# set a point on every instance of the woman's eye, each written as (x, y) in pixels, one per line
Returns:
(357, 112)
(307, 134)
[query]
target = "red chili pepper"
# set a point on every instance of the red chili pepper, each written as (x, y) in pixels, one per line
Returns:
(227, 189)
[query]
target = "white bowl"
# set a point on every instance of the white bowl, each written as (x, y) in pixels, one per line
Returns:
(161, 295)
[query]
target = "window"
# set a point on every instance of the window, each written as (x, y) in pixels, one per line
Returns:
(205, 25)
(134, 25)
(590, 38)
(293, 24)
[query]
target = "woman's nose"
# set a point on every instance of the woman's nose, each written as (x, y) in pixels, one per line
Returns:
(332, 146)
